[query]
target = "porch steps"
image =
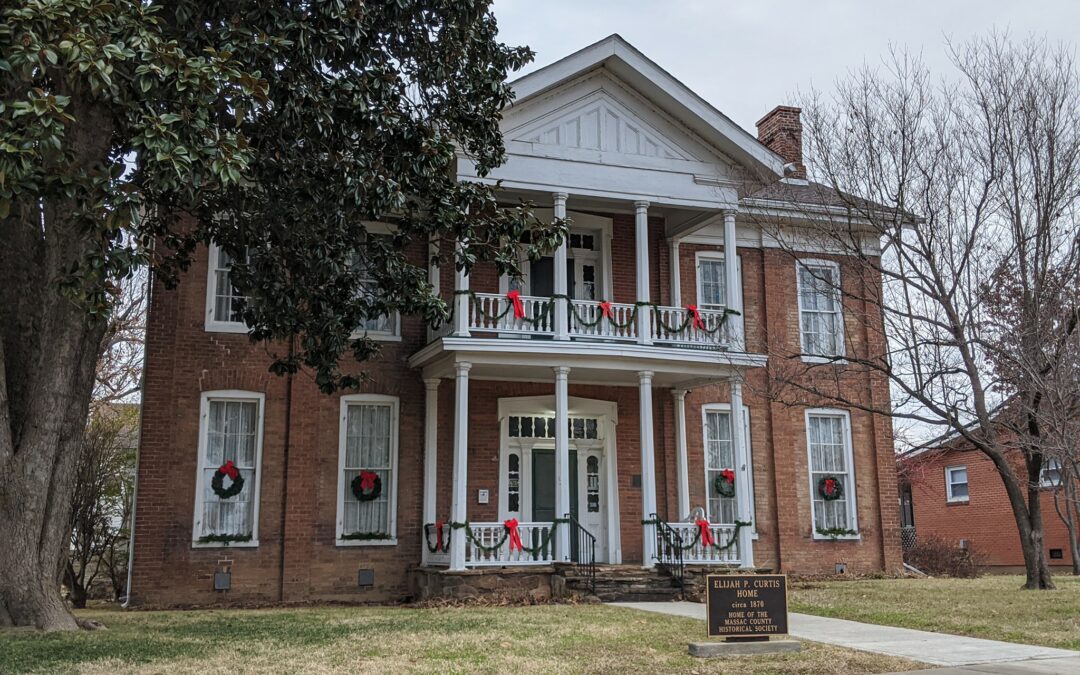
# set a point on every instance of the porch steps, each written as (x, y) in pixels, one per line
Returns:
(624, 583)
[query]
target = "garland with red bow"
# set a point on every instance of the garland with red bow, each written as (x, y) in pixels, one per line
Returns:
(830, 488)
(366, 486)
(217, 482)
(724, 483)
(511, 533)
(704, 532)
(702, 536)
(442, 545)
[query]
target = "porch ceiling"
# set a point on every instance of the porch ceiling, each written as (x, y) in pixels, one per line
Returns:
(590, 363)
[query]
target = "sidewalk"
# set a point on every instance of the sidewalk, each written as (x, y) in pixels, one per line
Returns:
(939, 649)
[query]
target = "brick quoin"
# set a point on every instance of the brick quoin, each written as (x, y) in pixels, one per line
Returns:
(297, 559)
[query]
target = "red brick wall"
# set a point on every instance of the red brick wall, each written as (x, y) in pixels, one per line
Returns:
(986, 519)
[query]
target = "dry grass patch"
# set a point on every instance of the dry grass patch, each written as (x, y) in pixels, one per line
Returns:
(992, 607)
(549, 639)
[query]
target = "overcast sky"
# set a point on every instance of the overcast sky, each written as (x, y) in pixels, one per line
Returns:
(747, 56)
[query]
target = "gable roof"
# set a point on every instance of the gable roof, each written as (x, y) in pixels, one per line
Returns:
(662, 89)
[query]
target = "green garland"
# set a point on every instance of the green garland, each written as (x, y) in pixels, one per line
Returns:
(836, 532)
(533, 551)
(534, 321)
(223, 538)
(739, 524)
(427, 539)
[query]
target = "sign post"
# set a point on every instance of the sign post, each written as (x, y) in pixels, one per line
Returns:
(749, 611)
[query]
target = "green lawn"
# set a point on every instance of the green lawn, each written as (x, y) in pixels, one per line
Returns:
(553, 638)
(990, 607)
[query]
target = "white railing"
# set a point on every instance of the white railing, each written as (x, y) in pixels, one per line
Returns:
(715, 331)
(539, 536)
(587, 320)
(701, 554)
(495, 312)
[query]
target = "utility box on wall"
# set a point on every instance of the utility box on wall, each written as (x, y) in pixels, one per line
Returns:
(365, 578)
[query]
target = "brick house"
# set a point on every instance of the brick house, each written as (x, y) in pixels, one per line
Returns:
(605, 400)
(955, 492)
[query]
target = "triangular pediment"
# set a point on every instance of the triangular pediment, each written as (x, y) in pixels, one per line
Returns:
(601, 122)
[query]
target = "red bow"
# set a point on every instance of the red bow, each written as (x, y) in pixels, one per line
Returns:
(367, 480)
(439, 546)
(605, 309)
(696, 316)
(706, 533)
(229, 469)
(830, 486)
(728, 475)
(514, 534)
(519, 308)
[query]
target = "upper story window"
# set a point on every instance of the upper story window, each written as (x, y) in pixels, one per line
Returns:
(384, 326)
(832, 473)
(367, 485)
(821, 319)
(230, 452)
(224, 303)
(1050, 475)
(956, 483)
(712, 282)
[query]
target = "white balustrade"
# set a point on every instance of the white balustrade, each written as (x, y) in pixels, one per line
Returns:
(533, 536)
(702, 554)
(495, 312)
(587, 320)
(716, 331)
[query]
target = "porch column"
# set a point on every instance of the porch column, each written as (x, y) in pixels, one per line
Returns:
(682, 474)
(743, 497)
(562, 318)
(641, 241)
(676, 274)
(562, 460)
(648, 468)
(461, 299)
(733, 281)
(431, 445)
(458, 510)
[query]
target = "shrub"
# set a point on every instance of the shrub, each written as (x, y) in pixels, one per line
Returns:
(938, 557)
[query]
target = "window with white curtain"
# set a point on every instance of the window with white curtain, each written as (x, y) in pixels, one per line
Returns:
(230, 430)
(719, 455)
(712, 283)
(828, 434)
(369, 442)
(821, 319)
(224, 303)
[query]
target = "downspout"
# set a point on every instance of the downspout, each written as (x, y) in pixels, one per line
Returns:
(138, 450)
(285, 470)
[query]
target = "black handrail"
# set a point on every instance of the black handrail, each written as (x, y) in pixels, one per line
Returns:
(669, 552)
(583, 551)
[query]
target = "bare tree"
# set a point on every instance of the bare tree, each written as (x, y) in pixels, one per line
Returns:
(948, 190)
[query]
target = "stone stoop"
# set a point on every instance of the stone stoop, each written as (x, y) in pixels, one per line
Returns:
(623, 583)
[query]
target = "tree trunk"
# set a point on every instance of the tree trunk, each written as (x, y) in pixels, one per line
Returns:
(1029, 523)
(76, 589)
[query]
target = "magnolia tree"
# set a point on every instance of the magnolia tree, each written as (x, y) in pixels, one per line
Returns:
(961, 197)
(131, 132)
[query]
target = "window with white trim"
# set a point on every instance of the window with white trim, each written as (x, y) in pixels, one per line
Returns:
(712, 282)
(956, 483)
(224, 303)
(719, 455)
(1050, 474)
(385, 325)
(230, 442)
(828, 440)
(368, 445)
(821, 319)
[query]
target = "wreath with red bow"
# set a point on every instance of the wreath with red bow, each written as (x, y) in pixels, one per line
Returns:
(830, 488)
(217, 482)
(724, 483)
(366, 486)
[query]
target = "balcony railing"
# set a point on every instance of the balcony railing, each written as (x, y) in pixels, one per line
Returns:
(699, 553)
(599, 321)
(490, 546)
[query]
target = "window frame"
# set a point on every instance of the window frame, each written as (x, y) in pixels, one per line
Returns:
(395, 432)
(949, 497)
(200, 487)
(378, 229)
(707, 408)
(212, 323)
(1050, 464)
(841, 356)
(850, 491)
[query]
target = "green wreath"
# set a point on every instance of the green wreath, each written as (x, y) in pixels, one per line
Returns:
(724, 483)
(217, 482)
(830, 488)
(366, 486)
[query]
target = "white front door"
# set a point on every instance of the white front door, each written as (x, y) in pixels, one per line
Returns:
(592, 498)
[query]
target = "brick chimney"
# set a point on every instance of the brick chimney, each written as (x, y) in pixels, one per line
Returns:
(781, 131)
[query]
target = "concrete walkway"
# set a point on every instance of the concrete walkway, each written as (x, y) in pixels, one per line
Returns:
(939, 649)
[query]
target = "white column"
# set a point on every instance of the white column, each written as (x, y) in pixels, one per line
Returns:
(431, 447)
(676, 274)
(562, 318)
(641, 240)
(458, 510)
(648, 467)
(461, 300)
(743, 497)
(682, 473)
(734, 282)
(562, 459)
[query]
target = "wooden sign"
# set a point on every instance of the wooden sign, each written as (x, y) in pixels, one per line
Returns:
(747, 606)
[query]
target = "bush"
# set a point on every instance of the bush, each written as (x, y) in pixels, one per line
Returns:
(938, 557)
